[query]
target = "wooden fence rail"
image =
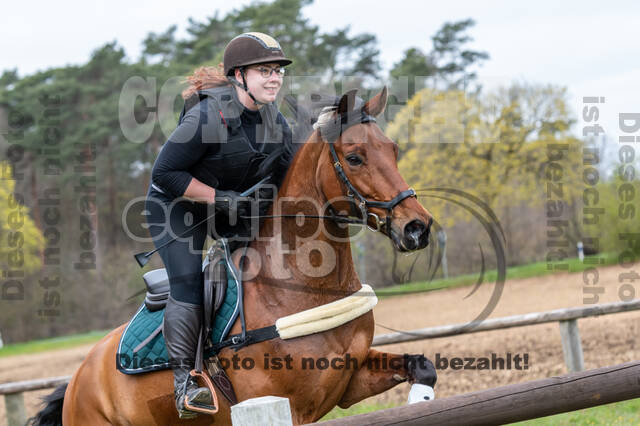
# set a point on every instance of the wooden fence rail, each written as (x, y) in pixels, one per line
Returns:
(512, 403)
(571, 344)
(31, 385)
(14, 399)
(568, 314)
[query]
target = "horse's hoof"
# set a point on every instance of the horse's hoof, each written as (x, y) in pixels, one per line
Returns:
(421, 370)
(420, 393)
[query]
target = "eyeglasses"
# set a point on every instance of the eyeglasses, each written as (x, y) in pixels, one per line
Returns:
(265, 72)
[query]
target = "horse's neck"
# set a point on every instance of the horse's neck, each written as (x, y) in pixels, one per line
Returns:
(304, 261)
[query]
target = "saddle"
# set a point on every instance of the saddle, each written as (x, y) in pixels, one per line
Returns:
(215, 283)
(215, 279)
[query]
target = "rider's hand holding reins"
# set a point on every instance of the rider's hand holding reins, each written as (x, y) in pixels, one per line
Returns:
(231, 203)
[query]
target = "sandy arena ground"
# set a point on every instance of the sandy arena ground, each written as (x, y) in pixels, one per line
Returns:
(606, 340)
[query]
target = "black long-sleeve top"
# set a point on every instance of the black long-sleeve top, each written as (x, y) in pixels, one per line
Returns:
(197, 137)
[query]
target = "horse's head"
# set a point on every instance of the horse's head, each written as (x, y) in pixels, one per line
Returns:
(359, 169)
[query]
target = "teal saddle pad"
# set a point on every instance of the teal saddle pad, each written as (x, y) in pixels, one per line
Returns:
(153, 356)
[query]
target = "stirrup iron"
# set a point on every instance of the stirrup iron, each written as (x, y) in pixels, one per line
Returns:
(202, 408)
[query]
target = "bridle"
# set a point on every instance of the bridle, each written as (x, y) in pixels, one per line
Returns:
(362, 204)
(359, 204)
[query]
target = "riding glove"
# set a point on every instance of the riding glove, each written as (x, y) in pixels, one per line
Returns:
(232, 204)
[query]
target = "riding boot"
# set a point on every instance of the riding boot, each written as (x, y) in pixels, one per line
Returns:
(182, 323)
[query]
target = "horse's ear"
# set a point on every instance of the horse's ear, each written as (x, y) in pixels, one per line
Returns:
(347, 102)
(376, 105)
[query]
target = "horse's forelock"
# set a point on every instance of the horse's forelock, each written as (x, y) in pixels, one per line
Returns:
(325, 117)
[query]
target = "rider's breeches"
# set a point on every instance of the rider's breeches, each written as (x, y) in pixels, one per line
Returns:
(183, 257)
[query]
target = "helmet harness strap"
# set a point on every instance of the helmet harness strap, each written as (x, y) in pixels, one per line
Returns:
(244, 86)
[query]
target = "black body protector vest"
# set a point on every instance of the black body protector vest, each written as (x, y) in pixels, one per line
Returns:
(234, 163)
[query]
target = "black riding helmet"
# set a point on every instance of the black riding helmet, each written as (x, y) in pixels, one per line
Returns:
(251, 49)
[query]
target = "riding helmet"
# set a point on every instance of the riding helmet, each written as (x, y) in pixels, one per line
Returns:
(252, 48)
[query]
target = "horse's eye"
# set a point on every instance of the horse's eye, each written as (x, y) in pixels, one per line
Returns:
(354, 159)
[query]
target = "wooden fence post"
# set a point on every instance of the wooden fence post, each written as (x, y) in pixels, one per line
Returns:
(571, 345)
(266, 410)
(14, 406)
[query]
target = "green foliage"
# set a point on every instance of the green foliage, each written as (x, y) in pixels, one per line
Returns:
(453, 61)
(21, 242)
(448, 65)
(414, 64)
(617, 216)
(9, 77)
(492, 146)
(313, 52)
(161, 48)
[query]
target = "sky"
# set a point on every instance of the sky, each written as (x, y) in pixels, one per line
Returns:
(590, 47)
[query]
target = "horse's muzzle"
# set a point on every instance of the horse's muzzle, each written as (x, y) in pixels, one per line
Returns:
(416, 235)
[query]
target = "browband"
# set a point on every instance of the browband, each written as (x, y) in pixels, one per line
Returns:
(332, 130)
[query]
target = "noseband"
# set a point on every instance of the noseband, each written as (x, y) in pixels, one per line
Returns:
(359, 204)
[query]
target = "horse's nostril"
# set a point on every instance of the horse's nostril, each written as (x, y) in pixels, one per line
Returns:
(415, 229)
(416, 235)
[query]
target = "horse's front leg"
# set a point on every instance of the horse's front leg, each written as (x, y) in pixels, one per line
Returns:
(381, 371)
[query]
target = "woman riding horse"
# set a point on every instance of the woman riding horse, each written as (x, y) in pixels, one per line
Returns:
(229, 125)
(348, 166)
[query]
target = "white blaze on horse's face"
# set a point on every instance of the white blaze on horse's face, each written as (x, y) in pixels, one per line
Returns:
(369, 160)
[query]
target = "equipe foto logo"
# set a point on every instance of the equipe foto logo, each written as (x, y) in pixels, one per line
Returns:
(490, 225)
(309, 245)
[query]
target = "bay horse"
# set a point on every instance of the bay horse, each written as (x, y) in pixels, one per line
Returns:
(341, 147)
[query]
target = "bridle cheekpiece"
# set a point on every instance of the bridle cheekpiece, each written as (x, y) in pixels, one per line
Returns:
(330, 131)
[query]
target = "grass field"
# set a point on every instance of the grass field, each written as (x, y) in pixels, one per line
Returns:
(514, 272)
(619, 414)
(52, 343)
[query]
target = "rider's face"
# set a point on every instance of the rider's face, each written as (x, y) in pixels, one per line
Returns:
(264, 88)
